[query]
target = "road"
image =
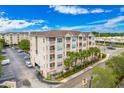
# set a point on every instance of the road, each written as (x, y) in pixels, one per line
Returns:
(77, 81)
(22, 72)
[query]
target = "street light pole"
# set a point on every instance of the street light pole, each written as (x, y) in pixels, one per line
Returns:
(90, 85)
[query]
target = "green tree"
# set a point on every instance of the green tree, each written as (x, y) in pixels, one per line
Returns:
(73, 57)
(103, 78)
(2, 41)
(117, 65)
(1, 47)
(24, 45)
(2, 44)
(68, 63)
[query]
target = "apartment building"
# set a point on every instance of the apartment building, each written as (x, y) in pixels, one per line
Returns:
(13, 38)
(49, 49)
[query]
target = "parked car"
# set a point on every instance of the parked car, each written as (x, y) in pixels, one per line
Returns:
(26, 57)
(112, 48)
(19, 51)
(3, 51)
(5, 62)
(28, 64)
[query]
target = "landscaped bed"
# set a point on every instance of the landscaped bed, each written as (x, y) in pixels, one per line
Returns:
(86, 57)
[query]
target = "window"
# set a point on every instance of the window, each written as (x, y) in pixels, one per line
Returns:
(59, 40)
(59, 48)
(52, 57)
(80, 44)
(52, 65)
(59, 64)
(84, 45)
(89, 37)
(67, 45)
(73, 45)
(90, 43)
(52, 39)
(84, 38)
(52, 47)
(74, 38)
(59, 56)
(68, 38)
(80, 38)
(43, 40)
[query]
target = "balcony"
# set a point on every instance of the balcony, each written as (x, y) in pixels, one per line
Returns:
(67, 48)
(51, 68)
(53, 59)
(51, 42)
(52, 51)
(68, 41)
(80, 47)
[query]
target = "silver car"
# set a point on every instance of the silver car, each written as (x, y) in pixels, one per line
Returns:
(5, 62)
(28, 64)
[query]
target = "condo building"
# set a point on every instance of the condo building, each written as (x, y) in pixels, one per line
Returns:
(49, 49)
(13, 38)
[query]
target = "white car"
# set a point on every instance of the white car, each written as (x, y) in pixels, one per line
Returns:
(19, 51)
(26, 57)
(5, 62)
(28, 64)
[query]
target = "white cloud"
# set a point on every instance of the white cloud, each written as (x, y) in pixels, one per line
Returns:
(45, 27)
(70, 9)
(76, 10)
(72, 27)
(8, 24)
(104, 26)
(113, 22)
(98, 10)
(122, 9)
(2, 12)
(98, 22)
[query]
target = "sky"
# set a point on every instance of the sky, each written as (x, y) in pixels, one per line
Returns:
(84, 18)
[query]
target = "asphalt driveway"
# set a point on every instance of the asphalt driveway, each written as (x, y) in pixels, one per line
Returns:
(22, 72)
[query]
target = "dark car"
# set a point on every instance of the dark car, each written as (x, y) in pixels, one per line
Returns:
(112, 48)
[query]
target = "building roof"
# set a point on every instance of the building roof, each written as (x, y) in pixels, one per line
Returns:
(54, 33)
(17, 33)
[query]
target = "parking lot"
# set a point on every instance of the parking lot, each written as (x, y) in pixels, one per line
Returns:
(21, 71)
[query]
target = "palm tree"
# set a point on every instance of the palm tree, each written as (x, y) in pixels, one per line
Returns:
(82, 56)
(96, 51)
(76, 57)
(91, 49)
(68, 63)
(73, 56)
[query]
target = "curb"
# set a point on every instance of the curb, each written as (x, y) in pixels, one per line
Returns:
(52, 82)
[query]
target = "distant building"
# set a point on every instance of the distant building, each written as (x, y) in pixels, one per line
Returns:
(114, 39)
(13, 38)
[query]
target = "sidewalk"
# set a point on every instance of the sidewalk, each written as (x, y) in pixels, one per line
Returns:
(84, 70)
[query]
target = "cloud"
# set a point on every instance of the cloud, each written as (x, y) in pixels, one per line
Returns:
(98, 10)
(45, 27)
(104, 26)
(74, 10)
(2, 12)
(113, 22)
(9, 24)
(70, 9)
(122, 9)
(98, 22)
